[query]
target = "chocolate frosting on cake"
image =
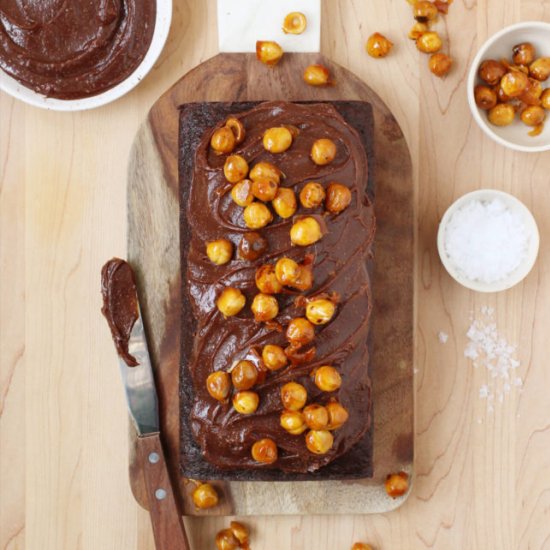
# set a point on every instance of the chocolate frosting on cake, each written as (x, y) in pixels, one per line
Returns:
(341, 257)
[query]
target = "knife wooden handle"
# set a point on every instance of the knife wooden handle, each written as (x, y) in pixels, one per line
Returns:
(166, 518)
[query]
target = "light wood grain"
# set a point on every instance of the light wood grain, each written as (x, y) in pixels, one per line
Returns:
(63, 429)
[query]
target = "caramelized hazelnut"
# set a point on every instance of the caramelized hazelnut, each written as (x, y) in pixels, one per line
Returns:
(265, 451)
(287, 271)
(293, 396)
(327, 378)
(316, 417)
(274, 357)
(240, 531)
(312, 195)
(533, 93)
(223, 140)
(305, 279)
(231, 301)
(277, 140)
(491, 71)
(218, 385)
(485, 97)
(252, 246)
(317, 75)
(429, 42)
(264, 307)
(502, 114)
(226, 540)
(268, 52)
(305, 231)
(246, 402)
(417, 30)
(440, 64)
(320, 311)
(284, 203)
(533, 115)
(319, 442)
(523, 54)
(424, 11)
(294, 23)
(300, 331)
(219, 252)
(236, 126)
(257, 215)
(323, 151)
(514, 83)
(265, 170)
(540, 68)
(361, 546)
(264, 189)
(545, 99)
(378, 45)
(235, 168)
(241, 193)
(266, 280)
(205, 496)
(337, 415)
(244, 375)
(397, 484)
(338, 198)
(293, 422)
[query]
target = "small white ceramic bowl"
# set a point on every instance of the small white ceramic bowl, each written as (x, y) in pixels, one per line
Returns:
(160, 34)
(521, 271)
(500, 46)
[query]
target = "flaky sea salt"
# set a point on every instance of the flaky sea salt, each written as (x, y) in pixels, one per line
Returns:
(486, 241)
(443, 337)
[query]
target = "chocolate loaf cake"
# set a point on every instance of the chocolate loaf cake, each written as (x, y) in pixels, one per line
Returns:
(216, 439)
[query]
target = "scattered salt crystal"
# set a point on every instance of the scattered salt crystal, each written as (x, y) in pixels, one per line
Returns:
(443, 337)
(486, 240)
(483, 391)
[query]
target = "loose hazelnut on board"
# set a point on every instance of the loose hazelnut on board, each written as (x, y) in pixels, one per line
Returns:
(378, 45)
(241, 193)
(514, 83)
(323, 151)
(540, 69)
(293, 422)
(327, 378)
(397, 484)
(533, 115)
(429, 42)
(284, 203)
(277, 139)
(223, 140)
(244, 375)
(220, 251)
(218, 385)
(485, 97)
(246, 402)
(287, 271)
(264, 190)
(274, 357)
(266, 280)
(440, 64)
(226, 540)
(424, 11)
(231, 301)
(264, 307)
(317, 75)
(265, 451)
(265, 170)
(337, 415)
(294, 23)
(316, 417)
(491, 71)
(235, 168)
(252, 246)
(319, 442)
(205, 496)
(293, 396)
(300, 331)
(361, 546)
(268, 52)
(501, 114)
(320, 311)
(312, 195)
(240, 531)
(545, 99)
(417, 30)
(523, 54)
(338, 198)
(305, 231)
(237, 128)
(257, 215)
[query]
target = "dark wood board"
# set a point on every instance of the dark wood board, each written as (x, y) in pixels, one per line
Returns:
(153, 250)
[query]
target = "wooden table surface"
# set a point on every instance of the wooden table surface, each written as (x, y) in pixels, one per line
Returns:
(482, 478)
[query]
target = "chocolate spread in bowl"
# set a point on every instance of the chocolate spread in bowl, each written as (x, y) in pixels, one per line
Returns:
(71, 49)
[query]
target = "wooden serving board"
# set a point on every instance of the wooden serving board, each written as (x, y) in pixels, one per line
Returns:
(153, 250)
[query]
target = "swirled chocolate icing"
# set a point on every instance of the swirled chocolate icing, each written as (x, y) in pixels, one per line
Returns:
(70, 49)
(225, 436)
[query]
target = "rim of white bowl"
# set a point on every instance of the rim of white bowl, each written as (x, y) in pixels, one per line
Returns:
(162, 27)
(471, 83)
(520, 272)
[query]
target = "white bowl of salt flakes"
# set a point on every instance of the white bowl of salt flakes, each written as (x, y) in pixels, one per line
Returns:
(488, 240)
